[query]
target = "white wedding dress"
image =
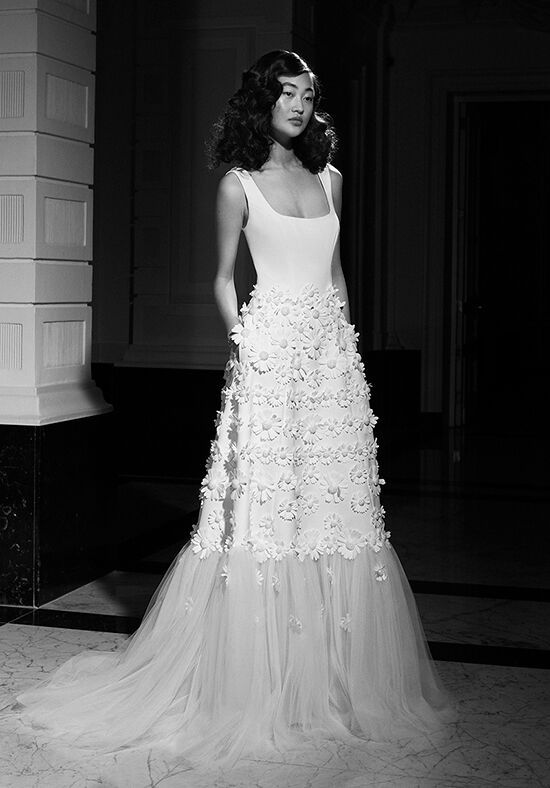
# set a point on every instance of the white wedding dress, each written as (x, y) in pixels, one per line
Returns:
(287, 616)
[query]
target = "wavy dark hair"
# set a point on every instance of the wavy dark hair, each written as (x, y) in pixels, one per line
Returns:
(242, 135)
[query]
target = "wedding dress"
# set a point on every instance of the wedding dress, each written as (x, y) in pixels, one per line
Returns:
(287, 616)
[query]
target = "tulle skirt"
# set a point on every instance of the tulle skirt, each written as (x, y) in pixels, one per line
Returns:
(235, 658)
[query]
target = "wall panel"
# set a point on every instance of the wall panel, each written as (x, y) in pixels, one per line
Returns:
(11, 345)
(12, 93)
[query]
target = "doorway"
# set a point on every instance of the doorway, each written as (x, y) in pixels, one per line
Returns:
(497, 284)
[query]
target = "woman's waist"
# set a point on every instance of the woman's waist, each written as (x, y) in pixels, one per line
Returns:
(294, 279)
(297, 292)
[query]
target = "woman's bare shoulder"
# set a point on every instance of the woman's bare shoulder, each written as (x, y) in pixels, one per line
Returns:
(230, 187)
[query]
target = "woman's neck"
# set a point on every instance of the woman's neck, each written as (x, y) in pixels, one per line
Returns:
(282, 156)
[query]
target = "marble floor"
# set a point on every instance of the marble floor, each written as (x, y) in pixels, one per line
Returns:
(500, 739)
(473, 539)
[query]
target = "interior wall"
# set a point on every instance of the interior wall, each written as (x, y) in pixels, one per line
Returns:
(154, 240)
(165, 72)
(351, 58)
(435, 51)
(113, 180)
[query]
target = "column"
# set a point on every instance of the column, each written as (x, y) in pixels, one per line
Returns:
(47, 57)
(51, 492)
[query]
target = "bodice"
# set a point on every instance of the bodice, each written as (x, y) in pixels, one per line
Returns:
(287, 251)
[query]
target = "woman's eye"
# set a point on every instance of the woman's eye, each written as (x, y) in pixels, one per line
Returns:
(287, 93)
(309, 98)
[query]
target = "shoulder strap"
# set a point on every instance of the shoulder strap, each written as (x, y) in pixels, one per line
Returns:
(236, 171)
(245, 179)
(243, 176)
(255, 201)
(249, 191)
(327, 184)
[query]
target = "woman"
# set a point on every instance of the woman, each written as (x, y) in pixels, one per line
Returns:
(287, 616)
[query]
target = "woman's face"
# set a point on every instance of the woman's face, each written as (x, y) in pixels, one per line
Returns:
(293, 108)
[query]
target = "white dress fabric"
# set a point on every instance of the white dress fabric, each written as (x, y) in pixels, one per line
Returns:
(287, 616)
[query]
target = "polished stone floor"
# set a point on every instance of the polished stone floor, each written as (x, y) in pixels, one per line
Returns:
(469, 520)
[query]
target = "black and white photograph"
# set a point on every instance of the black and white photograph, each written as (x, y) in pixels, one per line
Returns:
(274, 392)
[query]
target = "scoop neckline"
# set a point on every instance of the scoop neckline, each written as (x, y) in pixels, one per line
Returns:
(286, 215)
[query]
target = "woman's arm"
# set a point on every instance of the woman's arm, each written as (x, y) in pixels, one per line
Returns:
(230, 211)
(338, 279)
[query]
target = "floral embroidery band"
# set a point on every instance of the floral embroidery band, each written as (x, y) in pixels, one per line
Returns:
(292, 469)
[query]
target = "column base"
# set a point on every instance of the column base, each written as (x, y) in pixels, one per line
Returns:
(57, 505)
(39, 405)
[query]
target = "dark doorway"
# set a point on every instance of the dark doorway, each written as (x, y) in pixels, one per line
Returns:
(500, 210)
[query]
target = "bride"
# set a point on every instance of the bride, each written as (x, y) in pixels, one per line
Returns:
(287, 616)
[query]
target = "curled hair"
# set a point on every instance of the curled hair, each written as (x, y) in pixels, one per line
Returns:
(242, 135)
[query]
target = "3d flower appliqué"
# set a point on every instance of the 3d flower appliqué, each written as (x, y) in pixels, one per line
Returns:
(312, 343)
(374, 481)
(309, 544)
(237, 487)
(298, 368)
(333, 427)
(265, 524)
(260, 545)
(359, 503)
(236, 333)
(261, 359)
(263, 453)
(288, 480)
(282, 456)
(309, 504)
(213, 485)
(267, 425)
(333, 489)
(313, 429)
(359, 474)
(202, 546)
(332, 521)
(346, 451)
(378, 516)
(350, 542)
(320, 455)
(310, 403)
(282, 340)
(295, 624)
(370, 418)
(215, 518)
(279, 550)
(310, 475)
(345, 622)
(333, 366)
(287, 509)
(262, 490)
